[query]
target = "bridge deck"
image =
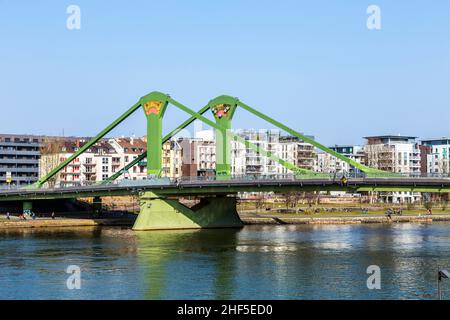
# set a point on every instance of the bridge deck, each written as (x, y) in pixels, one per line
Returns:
(218, 187)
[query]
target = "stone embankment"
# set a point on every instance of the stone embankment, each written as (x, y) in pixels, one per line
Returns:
(342, 220)
(41, 223)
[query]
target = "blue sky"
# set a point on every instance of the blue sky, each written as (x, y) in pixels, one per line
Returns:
(310, 64)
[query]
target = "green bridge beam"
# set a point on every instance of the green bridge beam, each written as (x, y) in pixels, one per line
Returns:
(143, 155)
(240, 139)
(222, 126)
(308, 140)
(91, 142)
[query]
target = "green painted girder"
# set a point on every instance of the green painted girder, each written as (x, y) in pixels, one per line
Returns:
(89, 144)
(242, 140)
(198, 115)
(308, 140)
(158, 96)
(143, 155)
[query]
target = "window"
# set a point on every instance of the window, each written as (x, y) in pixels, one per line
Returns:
(105, 169)
(104, 177)
(105, 160)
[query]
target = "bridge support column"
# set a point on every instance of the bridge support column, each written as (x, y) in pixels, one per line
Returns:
(154, 105)
(223, 109)
(159, 213)
(97, 205)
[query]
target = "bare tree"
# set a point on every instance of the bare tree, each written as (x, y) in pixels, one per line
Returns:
(50, 151)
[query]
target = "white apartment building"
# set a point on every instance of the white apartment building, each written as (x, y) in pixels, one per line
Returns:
(246, 161)
(199, 158)
(438, 159)
(327, 163)
(127, 150)
(400, 154)
(295, 151)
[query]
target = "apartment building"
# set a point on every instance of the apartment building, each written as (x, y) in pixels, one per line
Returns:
(96, 164)
(329, 164)
(19, 159)
(295, 151)
(104, 159)
(400, 154)
(128, 149)
(246, 161)
(393, 153)
(198, 156)
(437, 156)
(172, 159)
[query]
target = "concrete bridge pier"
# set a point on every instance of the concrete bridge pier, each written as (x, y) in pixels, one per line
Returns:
(97, 205)
(161, 212)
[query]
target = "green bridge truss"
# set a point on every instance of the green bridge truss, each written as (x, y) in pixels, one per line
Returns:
(223, 108)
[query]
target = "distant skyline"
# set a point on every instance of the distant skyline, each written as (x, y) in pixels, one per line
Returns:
(313, 65)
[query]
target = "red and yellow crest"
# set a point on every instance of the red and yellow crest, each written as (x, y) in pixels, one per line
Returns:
(152, 107)
(221, 110)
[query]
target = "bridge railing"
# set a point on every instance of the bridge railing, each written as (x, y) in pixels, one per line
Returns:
(335, 176)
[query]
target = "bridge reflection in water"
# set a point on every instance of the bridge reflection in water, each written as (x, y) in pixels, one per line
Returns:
(198, 256)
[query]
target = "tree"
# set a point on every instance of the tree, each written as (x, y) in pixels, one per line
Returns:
(50, 152)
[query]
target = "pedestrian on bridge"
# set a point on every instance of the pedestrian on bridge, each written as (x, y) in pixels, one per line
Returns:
(53, 215)
(7, 216)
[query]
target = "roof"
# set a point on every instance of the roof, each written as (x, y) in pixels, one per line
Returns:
(132, 145)
(72, 145)
(443, 140)
(398, 136)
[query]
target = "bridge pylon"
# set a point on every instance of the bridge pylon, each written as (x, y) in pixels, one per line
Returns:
(162, 213)
(154, 105)
(223, 108)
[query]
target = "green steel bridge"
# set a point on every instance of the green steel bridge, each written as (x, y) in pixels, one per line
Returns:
(160, 207)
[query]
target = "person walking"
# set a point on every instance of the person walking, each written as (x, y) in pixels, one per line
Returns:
(7, 216)
(53, 215)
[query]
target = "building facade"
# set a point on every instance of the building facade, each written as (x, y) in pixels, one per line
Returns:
(329, 164)
(400, 154)
(104, 159)
(19, 159)
(198, 157)
(438, 156)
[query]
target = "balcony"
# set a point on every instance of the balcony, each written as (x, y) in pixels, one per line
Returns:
(20, 144)
(20, 152)
(19, 161)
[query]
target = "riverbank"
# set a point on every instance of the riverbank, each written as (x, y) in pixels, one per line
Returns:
(247, 218)
(252, 219)
(62, 222)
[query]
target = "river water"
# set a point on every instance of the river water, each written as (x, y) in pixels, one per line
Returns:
(256, 262)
